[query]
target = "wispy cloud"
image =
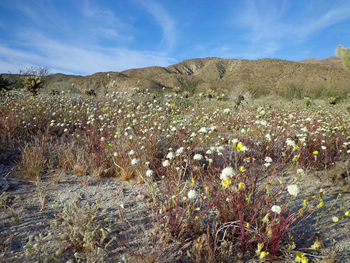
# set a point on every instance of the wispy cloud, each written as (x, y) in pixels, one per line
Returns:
(68, 58)
(163, 19)
(265, 24)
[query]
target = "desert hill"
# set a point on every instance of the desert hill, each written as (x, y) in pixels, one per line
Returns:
(310, 77)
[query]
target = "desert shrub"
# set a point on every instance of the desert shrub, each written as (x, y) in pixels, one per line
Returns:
(187, 86)
(344, 54)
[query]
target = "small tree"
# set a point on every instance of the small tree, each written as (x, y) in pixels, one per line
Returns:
(33, 78)
(344, 54)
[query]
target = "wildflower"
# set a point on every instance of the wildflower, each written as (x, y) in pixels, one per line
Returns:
(316, 245)
(335, 219)
(102, 139)
(115, 154)
(260, 246)
(170, 155)
(135, 161)
(347, 213)
(149, 173)
(266, 218)
(227, 172)
(290, 142)
(293, 190)
(132, 152)
(268, 159)
(239, 147)
(263, 254)
(179, 151)
(276, 209)
(300, 172)
(166, 163)
(241, 169)
(241, 186)
(197, 157)
(192, 194)
(300, 257)
(321, 204)
(203, 130)
(226, 183)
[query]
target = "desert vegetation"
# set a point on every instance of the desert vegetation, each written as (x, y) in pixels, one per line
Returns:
(177, 178)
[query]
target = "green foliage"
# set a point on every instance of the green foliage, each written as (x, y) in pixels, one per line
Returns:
(344, 54)
(186, 86)
(32, 84)
(4, 84)
(32, 79)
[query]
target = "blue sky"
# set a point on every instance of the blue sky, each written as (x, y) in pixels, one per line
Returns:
(88, 36)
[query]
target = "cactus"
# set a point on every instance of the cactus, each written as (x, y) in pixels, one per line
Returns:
(32, 84)
(344, 54)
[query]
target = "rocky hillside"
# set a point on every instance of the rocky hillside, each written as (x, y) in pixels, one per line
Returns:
(315, 78)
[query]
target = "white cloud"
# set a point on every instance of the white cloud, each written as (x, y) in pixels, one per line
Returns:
(266, 25)
(75, 59)
(164, 20)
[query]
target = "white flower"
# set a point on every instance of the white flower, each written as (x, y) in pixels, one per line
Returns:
(166, 163)
(179, 151)
(226, 173)
(102, 139)
(209, 152)
(115, 154)
(276, 209)
(135, 161)
(170, 155)
(149, 173)
(268, 159)
(192, 194)
(300, 172)
(197, 157)
(293, 189)
(290, 142)
(227, 111)
(132, 152)
(203, 130)
(267, 164)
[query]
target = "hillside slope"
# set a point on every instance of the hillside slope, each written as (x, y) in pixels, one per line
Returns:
(260, 77)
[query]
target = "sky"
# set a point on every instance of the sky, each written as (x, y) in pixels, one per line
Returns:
(83, 37)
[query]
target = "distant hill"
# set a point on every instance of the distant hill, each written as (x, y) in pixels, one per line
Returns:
(312, 77)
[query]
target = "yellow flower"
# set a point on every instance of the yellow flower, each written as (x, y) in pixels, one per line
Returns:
(193, 181)
(260, 246)
(226, 183)
(196, 218)
(335, 219)
(241, 186)
(239, 147)
(266, 218)
(242, 169)
(347, 213)
(315, 153)
(263, 254)
(248, 224)
(301, 258)
(269, 232)
(316, 245)
(296, 147)
(321, 204)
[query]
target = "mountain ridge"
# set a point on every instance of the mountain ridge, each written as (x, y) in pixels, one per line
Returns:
(259, 77)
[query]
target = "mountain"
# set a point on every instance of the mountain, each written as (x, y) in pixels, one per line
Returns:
(312, 77)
